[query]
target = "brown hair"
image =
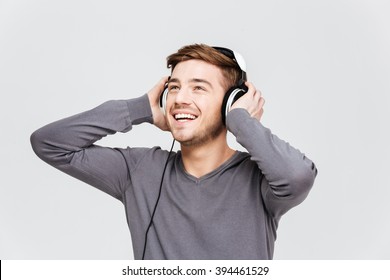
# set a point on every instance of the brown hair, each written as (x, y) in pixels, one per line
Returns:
(230, 69)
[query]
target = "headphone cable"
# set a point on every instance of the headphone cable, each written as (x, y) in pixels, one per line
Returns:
(158, 199)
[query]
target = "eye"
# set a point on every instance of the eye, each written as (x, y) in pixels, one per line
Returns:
(173, 88)
(199, 88)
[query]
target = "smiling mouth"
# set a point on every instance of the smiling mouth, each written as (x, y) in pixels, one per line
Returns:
(184, 117)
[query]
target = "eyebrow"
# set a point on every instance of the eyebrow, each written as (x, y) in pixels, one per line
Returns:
(194, 80)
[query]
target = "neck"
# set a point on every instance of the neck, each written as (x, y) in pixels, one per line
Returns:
(202, 159)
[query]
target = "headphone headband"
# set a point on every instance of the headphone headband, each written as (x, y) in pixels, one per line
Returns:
(236, 57)
(232, 95)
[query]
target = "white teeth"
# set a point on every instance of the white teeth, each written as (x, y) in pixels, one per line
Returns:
(185, 116)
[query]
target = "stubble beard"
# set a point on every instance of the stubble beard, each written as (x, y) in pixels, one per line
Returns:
(207, 134)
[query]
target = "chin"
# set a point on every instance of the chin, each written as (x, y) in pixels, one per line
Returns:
(194, 141)
(198, 137)
(185, 141)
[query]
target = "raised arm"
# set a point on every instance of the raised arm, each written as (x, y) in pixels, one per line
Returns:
(68, 144)
(288, 173)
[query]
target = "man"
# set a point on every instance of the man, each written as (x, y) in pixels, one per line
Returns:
(206, 201)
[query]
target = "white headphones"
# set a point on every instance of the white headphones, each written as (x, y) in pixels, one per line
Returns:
(232, 95)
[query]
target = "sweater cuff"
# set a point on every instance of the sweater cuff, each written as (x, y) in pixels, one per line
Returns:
(139, 110)
(235, 119)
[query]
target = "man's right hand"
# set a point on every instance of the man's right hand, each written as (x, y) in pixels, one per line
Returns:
(159, 119)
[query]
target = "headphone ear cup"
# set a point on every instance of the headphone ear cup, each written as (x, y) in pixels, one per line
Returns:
(231, 96)
(163, 100)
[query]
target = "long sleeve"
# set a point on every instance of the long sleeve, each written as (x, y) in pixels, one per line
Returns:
(288, 174)
(68, 144)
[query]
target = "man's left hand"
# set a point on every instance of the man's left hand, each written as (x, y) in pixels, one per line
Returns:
(252, 101)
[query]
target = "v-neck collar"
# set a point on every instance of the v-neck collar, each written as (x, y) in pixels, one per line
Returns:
(207, 175)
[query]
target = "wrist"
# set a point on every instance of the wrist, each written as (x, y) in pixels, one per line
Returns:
(235, 118)
(140, 110)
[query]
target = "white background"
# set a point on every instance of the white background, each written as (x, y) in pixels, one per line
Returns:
(323, 68)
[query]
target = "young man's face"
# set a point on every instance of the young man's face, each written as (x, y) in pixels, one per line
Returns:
(194, 102)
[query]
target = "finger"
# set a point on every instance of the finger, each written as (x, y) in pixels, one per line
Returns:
(257, 96)
(261, 102)
(251, 88)
(163, 80)
(159, 87)
(261, 113)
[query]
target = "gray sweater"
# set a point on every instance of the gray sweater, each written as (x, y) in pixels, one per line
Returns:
(229, 213)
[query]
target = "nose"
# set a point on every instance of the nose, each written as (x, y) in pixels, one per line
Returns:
(183, 96)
